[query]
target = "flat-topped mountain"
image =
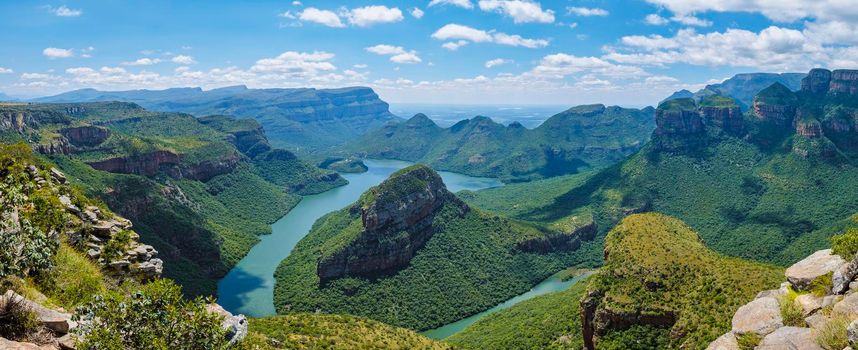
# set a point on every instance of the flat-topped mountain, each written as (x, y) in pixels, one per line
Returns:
(302, 119)
(408, 251)
(579, 138)
(200, 190)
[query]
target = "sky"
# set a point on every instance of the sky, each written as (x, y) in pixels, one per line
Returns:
(528, 52)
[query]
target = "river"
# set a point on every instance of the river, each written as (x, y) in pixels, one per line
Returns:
(249, 287)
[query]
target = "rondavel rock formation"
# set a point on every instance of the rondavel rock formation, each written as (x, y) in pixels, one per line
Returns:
(397, 219)
(832, 303)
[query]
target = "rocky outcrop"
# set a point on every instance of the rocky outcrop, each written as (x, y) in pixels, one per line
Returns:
(147, 164)
(569, 240)
(818, 264)
(598, 321)
(761, 316)
(817, 81)
(844, 82)
(235, 325)
(17, 117)
(397, 219)
(53, 147)
(206, 170)
(793, 338)
(56, 321)
(729, 119)
(86, 136)
(678, 124)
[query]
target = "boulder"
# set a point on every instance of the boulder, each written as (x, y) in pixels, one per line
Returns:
(761, 316)
(59, 322)
(843, 276)
(848, 306)
(816, 321)
(725, 342)
(7, 344)
(808, 303)
(852, 333)
(790, 338)
(58, 176)
(802, 273)
(236, 326)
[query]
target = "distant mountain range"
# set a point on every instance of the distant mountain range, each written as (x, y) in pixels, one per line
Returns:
(743, 87)
(304, 120)
(581, 137)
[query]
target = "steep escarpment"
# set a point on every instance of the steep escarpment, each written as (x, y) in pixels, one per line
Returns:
(409, 250)
(579, 138)
(199, 190)
(397, 219)
(661, 287)
(300, 119)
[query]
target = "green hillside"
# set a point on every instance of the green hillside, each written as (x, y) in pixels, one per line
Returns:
(662, 288)
(550, 321)
(199, 190)
(579, 138)
(465, 260)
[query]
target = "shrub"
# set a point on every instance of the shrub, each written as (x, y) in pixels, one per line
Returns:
(832, 336)
(17, 322)
(156, 317)
(846, 244)
(790, 311)
(748, 341)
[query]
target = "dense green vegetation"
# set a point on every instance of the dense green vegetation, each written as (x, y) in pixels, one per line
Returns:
(579, 138)
(203, 212)
(313, 331)
(551, 321)
(470, 263)
(657, 265)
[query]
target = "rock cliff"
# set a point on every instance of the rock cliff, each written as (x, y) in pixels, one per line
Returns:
(397, 219)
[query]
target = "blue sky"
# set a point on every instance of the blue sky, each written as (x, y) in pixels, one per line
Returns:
(564, 52)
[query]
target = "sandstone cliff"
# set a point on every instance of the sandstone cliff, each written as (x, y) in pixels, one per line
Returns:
(397, 219)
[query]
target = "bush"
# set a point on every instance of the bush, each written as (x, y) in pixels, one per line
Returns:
(748, 341)
(790, 311)
(832, 336)
(846, 244)
(156, 317)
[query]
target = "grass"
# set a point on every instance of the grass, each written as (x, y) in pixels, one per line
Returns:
(791, 312)
(73, 281)
(749, 341)
(832, 336)
(310, 331)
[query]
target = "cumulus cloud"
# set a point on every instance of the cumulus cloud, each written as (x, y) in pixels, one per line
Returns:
(773, 48)
(53, 52)
(656, 20)
(521, 11)
(497, 62)
(4, 70)
(369, 15)
(146, 61)
(64, 11)
(459, 35)
(417, 13)
(691, 20)
(184, 59)
(296, 64)
(586, 11)
(786, 11)
(561, 65)
(397, 53)
(460, 3)
(323, 17)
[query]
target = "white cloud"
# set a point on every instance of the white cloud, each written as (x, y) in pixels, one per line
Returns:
(294, 64)
(460, 3)
(323, 17)
(64, 11)
(586, 11)
(360, 66)
(397, 53)
(454, 45)
(773, 48)
(497, 62)
(4, 70)
(521, 11)
(656, 20)
(146, 61)
(183, 59)
(417, 13)
(53, 52)
(459, 35)
(561, 65)
(778, 10)
(661, 79)
(296, 3)
(369, 15)
(691, 20)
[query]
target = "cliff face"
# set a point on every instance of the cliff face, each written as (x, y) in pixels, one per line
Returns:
(16, 117)
(728, 119)
(838, 82)
(678, 125)
(397, 219)
(147, 164)
(86, 136)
